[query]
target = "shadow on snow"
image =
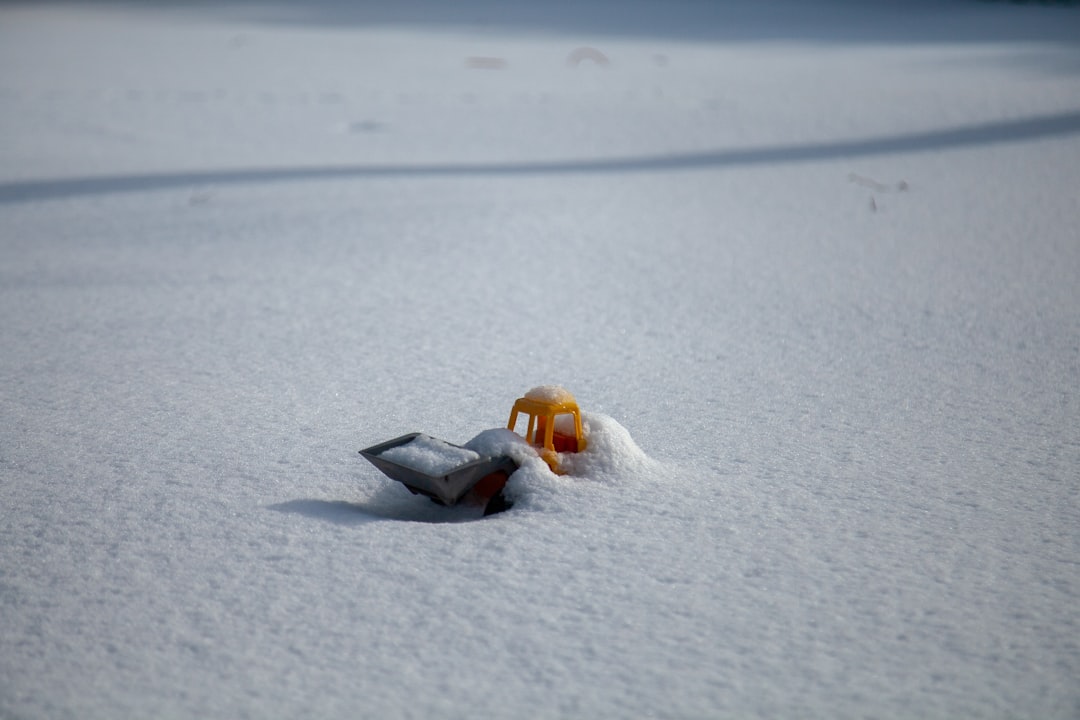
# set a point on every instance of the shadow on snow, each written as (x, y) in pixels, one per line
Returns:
(385, 505)
(1007, 131)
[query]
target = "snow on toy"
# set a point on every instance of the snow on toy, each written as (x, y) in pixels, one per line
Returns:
(448, 473)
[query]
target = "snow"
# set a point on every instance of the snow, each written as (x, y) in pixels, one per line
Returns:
(550, 394)
(610, 453)
(610, 457)
(809, 269)
(429, 455)
(497, 442)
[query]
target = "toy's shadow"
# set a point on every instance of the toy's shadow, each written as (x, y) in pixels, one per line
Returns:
(389, 503)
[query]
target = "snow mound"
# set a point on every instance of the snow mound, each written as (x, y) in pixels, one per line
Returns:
(610, 455)
(500, 441)
(610, 452)
(430, 455)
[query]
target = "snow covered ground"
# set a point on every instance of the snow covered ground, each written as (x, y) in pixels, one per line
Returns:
(819, 260)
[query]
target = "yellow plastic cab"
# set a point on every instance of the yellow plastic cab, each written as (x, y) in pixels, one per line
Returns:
(554, 422)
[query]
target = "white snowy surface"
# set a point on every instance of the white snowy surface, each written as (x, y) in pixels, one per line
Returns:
(429, 455)
(817, 261)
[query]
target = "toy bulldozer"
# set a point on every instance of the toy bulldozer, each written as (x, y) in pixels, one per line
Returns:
(448, 473)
